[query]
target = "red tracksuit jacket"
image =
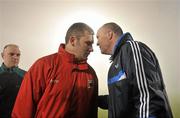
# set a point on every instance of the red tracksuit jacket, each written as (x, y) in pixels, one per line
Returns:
(56, 86)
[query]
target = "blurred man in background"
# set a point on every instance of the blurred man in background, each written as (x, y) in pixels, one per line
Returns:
(10, 79)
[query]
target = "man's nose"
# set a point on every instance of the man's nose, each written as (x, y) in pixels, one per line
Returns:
(97, 43)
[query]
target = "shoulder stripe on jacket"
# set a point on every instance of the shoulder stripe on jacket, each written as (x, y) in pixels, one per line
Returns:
(141, 80)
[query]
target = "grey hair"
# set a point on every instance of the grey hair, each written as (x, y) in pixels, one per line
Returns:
(78, 30)
(114, 27)
(10, 45)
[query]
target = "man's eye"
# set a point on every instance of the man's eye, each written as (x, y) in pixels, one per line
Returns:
(18, 55)
(12, 54)
(89, 43)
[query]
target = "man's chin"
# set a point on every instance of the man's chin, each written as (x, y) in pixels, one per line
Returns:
(82, 59)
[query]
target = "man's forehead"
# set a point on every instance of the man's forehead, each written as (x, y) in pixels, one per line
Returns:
(101, 30)
(88, 38)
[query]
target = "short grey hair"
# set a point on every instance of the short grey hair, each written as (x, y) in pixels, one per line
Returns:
(78, 30)
(10, 45)
(113, 27)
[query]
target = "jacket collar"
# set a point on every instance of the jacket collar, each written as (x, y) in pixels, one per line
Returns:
(122, 40)
(68, 57)
(4, 68)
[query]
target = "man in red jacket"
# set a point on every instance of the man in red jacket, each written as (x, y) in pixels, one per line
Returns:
(61, 85)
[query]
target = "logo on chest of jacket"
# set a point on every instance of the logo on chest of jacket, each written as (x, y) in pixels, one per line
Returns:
(54, 81)
(116, 66)
(90, 83)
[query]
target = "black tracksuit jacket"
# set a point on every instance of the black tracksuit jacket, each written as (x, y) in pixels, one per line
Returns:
(10, 81)
(135, 82)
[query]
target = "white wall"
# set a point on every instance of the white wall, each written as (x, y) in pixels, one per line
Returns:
(38, 27)
(1, 28)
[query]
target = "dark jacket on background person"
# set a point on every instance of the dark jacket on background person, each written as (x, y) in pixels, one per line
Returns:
(135, 82)
(57, 86)
(10, 81)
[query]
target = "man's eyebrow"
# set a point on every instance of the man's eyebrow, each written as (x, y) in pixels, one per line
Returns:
(12, 53)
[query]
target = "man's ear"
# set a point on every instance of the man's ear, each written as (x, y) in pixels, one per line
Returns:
(110, 35)
(72, 40)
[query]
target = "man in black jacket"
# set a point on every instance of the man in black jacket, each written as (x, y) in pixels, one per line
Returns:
(135, 82)
(10, 79)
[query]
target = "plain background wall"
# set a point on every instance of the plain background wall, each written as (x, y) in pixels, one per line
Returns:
(39, 26)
